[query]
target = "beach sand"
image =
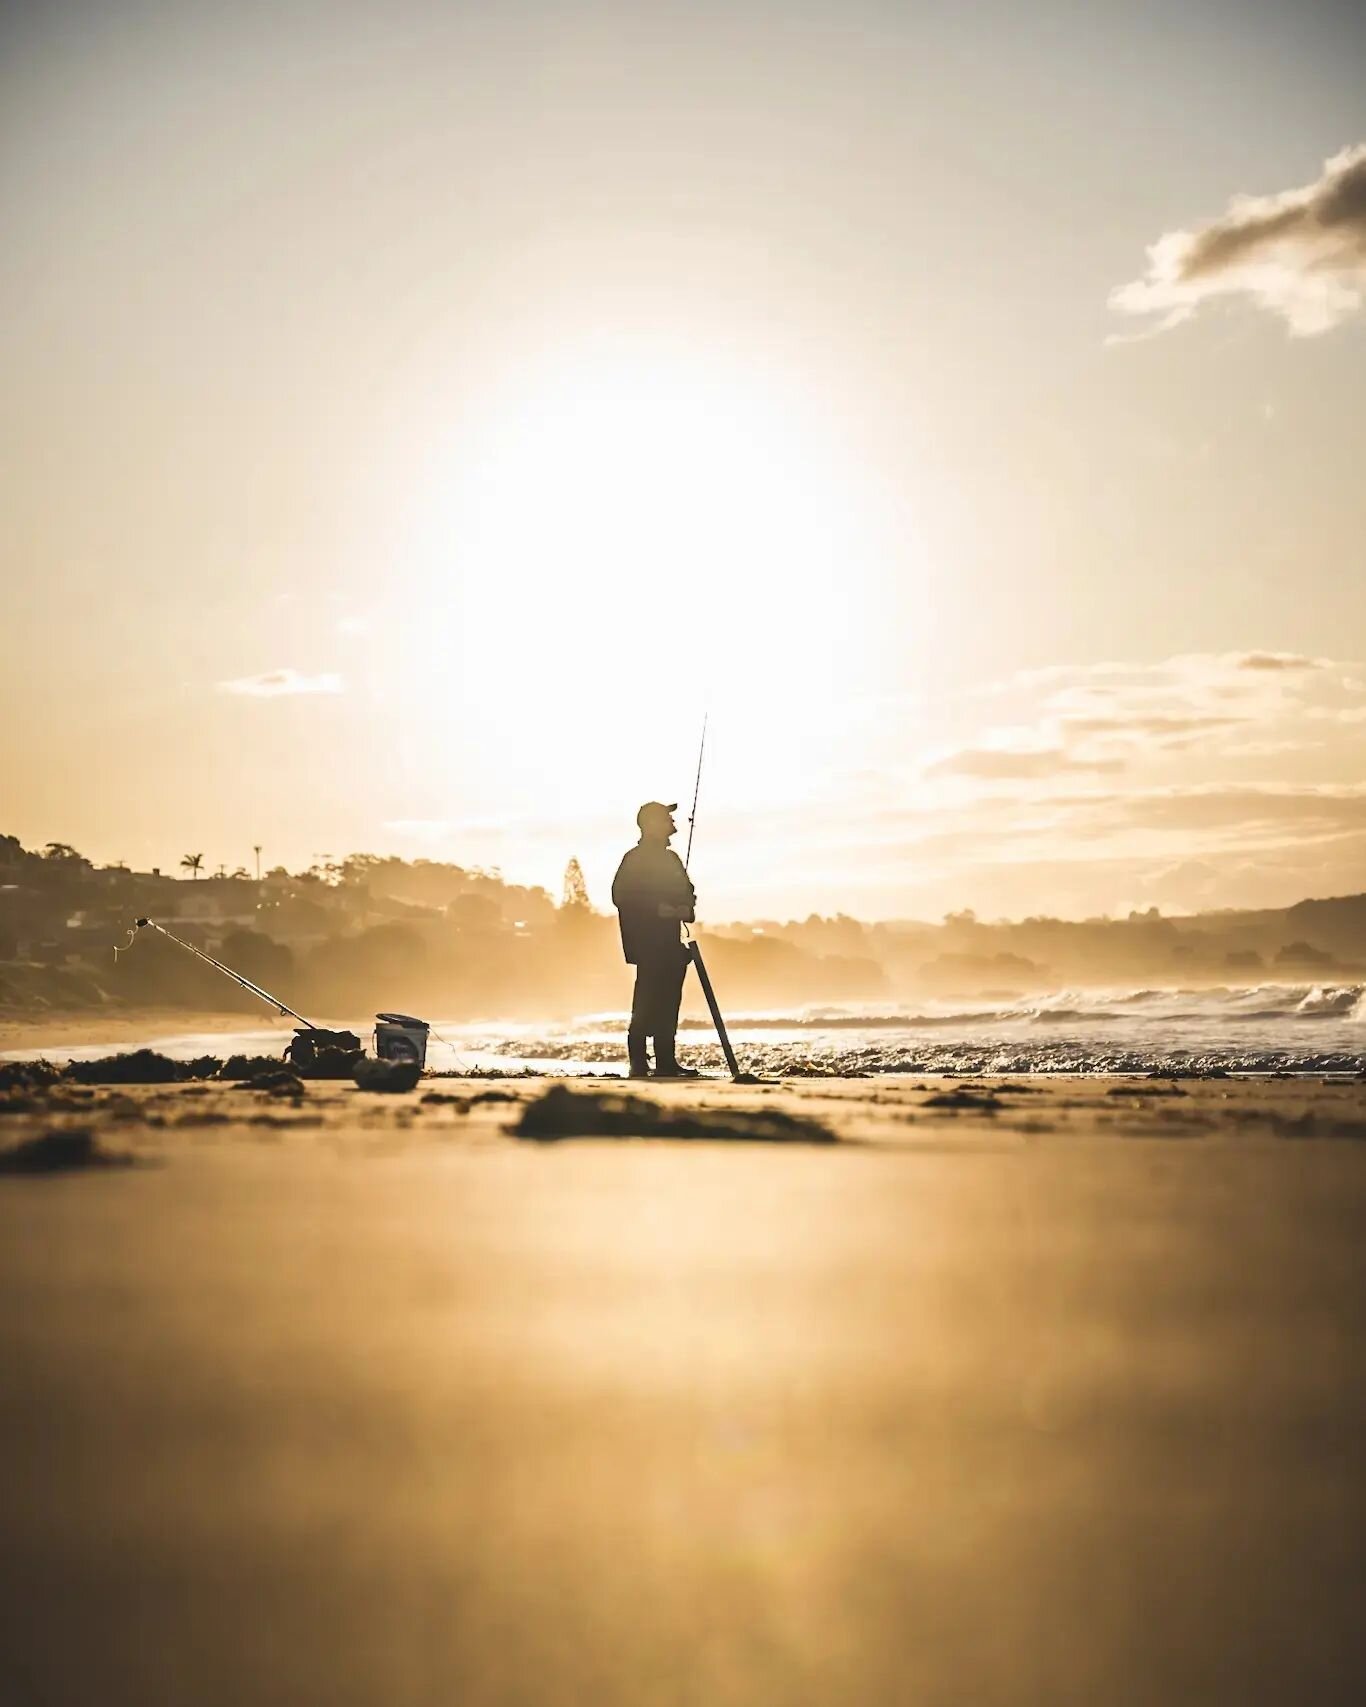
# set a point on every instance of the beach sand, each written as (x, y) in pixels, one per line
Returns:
(358, 1399)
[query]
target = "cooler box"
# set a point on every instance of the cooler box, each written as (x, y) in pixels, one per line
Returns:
(400, 1037)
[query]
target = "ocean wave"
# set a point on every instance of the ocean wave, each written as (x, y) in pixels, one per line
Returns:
(1071, 1007)
(1064, 1016)
(1248, 1029)
(1333, 1000)
(849, 1022)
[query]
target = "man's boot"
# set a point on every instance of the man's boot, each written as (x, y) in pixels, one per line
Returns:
(667, 1067)
(637, 1056)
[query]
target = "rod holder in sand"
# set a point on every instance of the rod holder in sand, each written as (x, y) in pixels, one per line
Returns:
(695, 955)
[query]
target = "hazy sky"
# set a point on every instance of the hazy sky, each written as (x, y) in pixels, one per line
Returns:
(416, 416)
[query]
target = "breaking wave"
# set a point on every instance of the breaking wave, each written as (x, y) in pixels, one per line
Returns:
(1170, 1007)
(1264, 1028)
(1347, 999)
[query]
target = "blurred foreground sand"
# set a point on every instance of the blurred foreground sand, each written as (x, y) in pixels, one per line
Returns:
(363, 1401)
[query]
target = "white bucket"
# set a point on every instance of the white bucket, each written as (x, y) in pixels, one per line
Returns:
(400, 1037)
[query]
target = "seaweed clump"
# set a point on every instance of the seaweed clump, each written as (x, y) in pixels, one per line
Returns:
(562, 1113)
(140, 1067)
(243, 1068)
(327, 1063)
(396, 1076)
(956, 1100)
(61, 1152)
(28, 1075)
(283, 1082)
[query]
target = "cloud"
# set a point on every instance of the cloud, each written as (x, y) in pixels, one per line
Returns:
(1236, 686)
(272, 684)
(1300, 253)
(1196, 717)
(1278, 661)
(1002, 764)
(1312, 811)
(1343, 714)
(1166, 729)
(1090, 785)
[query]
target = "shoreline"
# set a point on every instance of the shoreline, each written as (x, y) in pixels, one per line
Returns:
(184, 1034)
(120, 1028)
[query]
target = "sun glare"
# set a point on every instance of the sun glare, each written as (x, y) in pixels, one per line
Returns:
(632, 520)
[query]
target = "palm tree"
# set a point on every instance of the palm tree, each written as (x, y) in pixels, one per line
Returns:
(193, 863)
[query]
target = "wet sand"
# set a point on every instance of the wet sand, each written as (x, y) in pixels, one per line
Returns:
(358, 1399)
(54, 1030)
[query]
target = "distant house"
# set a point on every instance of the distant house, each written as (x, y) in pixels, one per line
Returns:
(212, 909)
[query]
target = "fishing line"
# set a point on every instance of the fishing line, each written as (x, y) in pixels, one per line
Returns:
(446, 1043)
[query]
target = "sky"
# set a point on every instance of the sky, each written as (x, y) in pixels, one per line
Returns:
(419, 417)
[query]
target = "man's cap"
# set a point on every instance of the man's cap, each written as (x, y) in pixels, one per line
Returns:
(652, 809)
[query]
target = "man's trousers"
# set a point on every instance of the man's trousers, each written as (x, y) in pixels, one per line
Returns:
(654, 1007)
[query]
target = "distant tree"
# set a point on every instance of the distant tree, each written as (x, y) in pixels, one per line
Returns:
(1304, 956)
(472, 912)
(242, 872)
(256, 956)
(193, 863)
(360, 867)
(575, 888)
(62, 852)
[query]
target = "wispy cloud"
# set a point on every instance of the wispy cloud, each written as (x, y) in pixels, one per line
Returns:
(1101, 780)
(1164, 728)
(273, 684)
(1246, 815)
(1278, 661)
(1178, 694)
(1005, 764)
(1300, 253)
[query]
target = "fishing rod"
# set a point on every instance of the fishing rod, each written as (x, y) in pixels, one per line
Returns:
(314, 1050)
(227, 971)
(696, 789)
(693, 947)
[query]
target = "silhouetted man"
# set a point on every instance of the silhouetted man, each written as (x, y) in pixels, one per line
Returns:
(653, 896)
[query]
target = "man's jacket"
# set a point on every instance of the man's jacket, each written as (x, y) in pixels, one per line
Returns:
(650, 874)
